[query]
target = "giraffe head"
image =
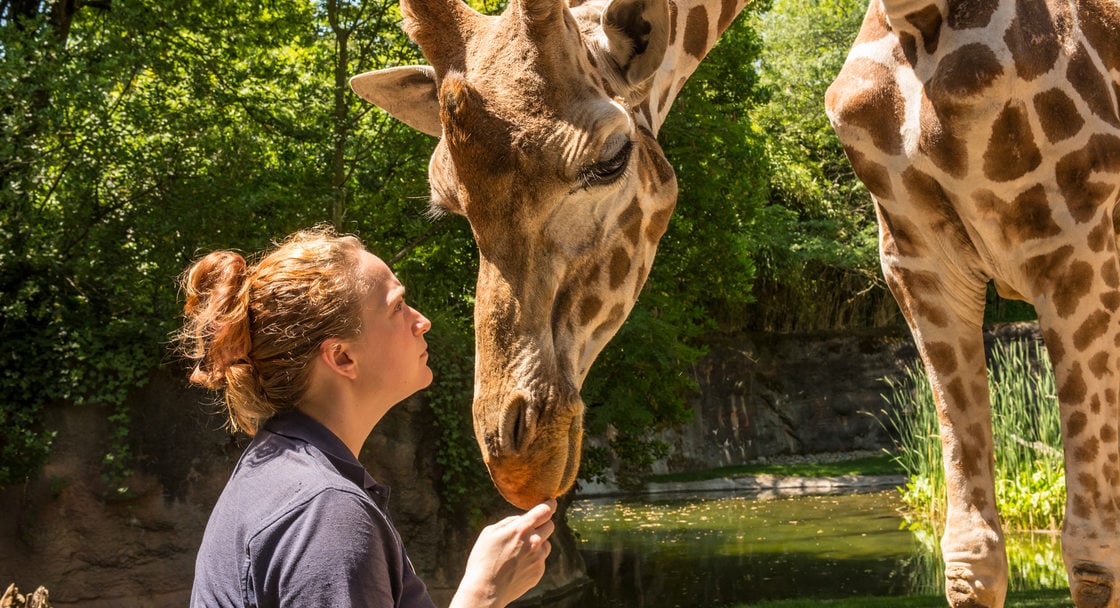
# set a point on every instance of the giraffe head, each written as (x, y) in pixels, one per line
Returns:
(546, 147)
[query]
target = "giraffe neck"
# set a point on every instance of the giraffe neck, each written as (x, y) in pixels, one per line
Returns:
(696, 27)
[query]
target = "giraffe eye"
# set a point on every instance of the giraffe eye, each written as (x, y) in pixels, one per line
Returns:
(608, 171)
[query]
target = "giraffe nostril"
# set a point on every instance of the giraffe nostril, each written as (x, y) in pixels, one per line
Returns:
(515, 417)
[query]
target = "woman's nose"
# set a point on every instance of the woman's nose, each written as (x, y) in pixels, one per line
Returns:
(422, 323)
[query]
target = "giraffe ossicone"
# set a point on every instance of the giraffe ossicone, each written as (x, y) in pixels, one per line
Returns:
(987, 132)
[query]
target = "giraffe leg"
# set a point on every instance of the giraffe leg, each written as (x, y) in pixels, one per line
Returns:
(945, 310)
(1081, 336)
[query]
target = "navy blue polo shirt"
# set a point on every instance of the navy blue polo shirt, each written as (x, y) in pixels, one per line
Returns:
(301, 523)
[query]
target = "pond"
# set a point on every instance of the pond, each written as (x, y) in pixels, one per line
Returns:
(713, 551)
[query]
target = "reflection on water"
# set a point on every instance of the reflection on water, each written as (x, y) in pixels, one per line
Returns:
(720, 551)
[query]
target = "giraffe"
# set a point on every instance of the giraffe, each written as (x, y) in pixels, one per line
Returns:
(987, 133)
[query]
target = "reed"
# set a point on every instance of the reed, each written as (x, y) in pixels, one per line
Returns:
(1030, 482)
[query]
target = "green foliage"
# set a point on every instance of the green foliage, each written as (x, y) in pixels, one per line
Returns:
(815, 243)
(641, 382)
(1030, 485)
(137, 136)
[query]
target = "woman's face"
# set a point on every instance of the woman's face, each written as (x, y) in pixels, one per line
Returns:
(392, 336)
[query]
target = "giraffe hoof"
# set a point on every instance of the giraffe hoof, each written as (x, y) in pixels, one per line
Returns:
(1091, 586)
(964, 590)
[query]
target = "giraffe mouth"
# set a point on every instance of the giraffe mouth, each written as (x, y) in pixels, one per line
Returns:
(544, 466)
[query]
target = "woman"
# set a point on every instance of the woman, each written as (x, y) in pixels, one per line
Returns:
(312, 345)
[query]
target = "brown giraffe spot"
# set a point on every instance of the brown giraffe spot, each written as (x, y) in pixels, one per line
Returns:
(641, 281)
(973, 447)
(865, 96)
(630, 221)
(1110, 274)
(928, 22)
(979, 499)
(968, 14)
(658, 223)
(1102, 236)
(1011, 151)
(1111, 300)
(663, 99)
(1073, 390)
(1074, 171)
(1095, 404)
(696, 32)
(980, 393)
(672, 23)
(588, 309)
(1108, 433)
(920, 290)
(612, 321)
(1032, 40)
(899, 235)
(1027, 217)
(927, 195)
(660, 164)
(1111, 472)
(1092, 86)
(942, 357)
(1054, 346)
(1090, 487)
(1066, 283)
(1092, 329)
(1080, 506)
(956, 394)
(1097, 21)
(1099, 364)
(1058, 115)
(620, 267)
(942, 145)
(874, 176)
(644, 109)
(909, 46)
(964, 73)
(1076, 424)
(1087, 452)
(1075, 285)
(727, 12)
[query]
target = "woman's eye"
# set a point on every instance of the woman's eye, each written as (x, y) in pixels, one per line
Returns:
(606, 172)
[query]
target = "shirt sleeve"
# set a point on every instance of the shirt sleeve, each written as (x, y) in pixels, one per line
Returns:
(331, 550)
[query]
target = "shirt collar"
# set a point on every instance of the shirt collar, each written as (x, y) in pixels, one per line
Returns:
(295, 424)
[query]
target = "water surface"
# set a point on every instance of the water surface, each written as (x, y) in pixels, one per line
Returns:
(713, 551)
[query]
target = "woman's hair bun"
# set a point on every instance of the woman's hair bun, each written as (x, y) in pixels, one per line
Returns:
(215, 332)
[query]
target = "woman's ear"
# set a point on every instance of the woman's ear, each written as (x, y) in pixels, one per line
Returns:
(335, 353)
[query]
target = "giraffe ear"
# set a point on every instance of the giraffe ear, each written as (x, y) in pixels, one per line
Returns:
(407, 92)
(637, 33)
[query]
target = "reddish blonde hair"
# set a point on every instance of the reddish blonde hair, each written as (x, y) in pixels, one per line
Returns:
(252, 331)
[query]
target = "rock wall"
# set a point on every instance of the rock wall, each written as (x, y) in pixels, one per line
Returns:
(778, 395)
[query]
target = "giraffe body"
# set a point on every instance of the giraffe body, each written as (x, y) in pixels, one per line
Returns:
(989, 137)
(987, 132)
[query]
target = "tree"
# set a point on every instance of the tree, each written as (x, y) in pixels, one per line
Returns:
(816, 242)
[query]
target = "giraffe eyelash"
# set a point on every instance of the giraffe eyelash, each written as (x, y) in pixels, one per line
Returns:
(607, 172)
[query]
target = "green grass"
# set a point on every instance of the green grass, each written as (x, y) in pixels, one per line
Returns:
(1030, 484)
(882, 464)
(1051, 598)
